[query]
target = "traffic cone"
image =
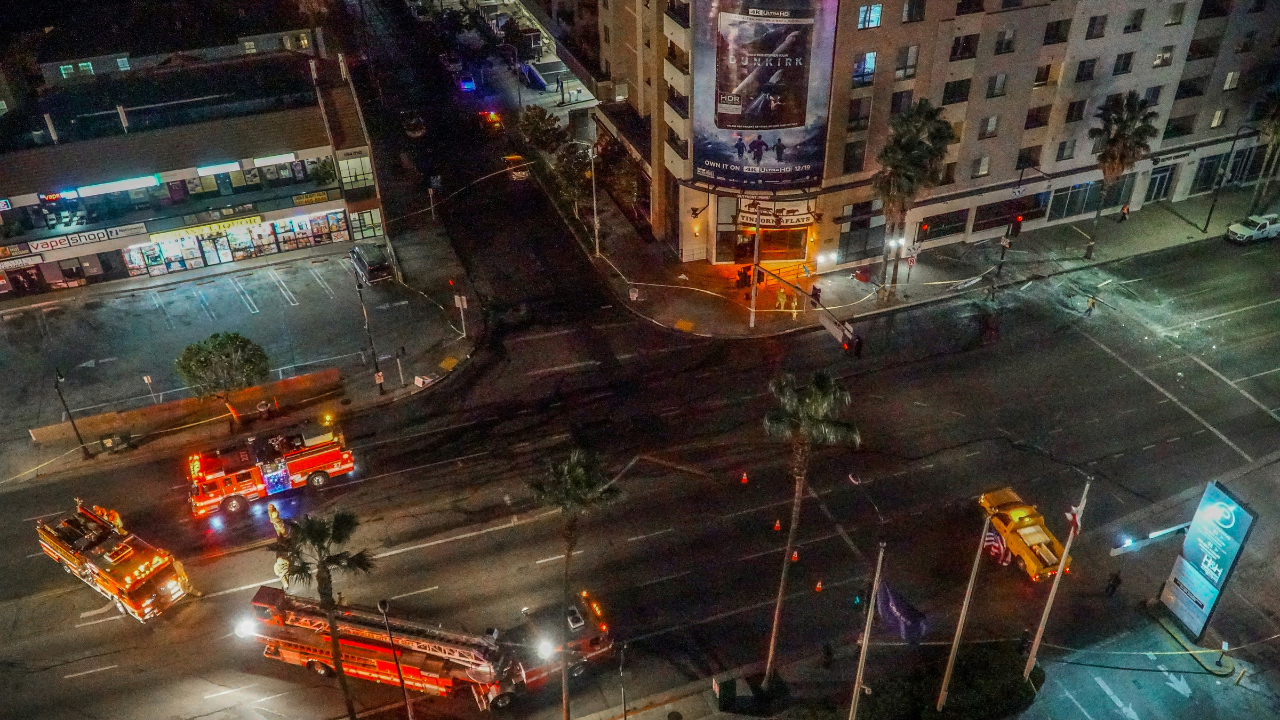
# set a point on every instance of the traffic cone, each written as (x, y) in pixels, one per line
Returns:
(777, 525)
(818, 587)
(744, 478)
(795, 556)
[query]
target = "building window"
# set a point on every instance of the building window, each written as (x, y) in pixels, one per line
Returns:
(1057, 32)
(1124, 64)
(1203, 47)
(604, 34)
(1038, 116)
(964, 47)
(1004, 42)
(997, 85)
(1219, 117)
(1042, 75)
(122, 64)
(1176, 11)
(1085, 197)
(945, 224)
(864, 69)
(859, 113)
(854, 155)
(1097, 27)
(988, 127)
(4, 107)
(1075, 111)
(956, 91)
(304, 41)
(1179, 126)
(85, 67)
(957, 132)
(1246, 42)
(1191, 87)
(367, 224)
(1257, 6)
(900, 102)
(908, 57)
(1066, 149)
(1010, 4)
(968, 7)
(1151, 97)
(250, 47)
(1164, 58)
(355, 173)
(981, 167)
(948, 174)
(1233, 79)
(1084, 71)
(67, 70)
(869, 17)
(912, 11)
(1028, 157)
(1135, 21)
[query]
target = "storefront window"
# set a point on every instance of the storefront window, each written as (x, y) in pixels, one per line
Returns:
(356, 173)
(367, 224)
(1084, 197)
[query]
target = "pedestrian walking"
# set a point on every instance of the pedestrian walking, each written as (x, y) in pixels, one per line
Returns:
(857, 346)
(828, 656)
(1092, 302)
(795, 306)
(1024, 642)
(1113, 583)
(1124, 212)
(782, 300)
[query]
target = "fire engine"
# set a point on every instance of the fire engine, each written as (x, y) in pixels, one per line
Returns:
(228, 479)
(93, 545)
(493, 667)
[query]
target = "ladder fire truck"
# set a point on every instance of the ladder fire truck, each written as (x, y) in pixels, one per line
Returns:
(93, 545)
(493, 667)
(228, 479)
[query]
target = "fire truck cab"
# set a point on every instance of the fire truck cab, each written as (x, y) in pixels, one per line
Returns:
(93, 545)
(228, 479)
(535, 642)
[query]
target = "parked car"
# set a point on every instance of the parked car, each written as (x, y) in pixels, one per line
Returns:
(490, 121)
(467, 83)
(451, 62)
(412, 124)
(517, 168)
(371, 262)
(1254, 228)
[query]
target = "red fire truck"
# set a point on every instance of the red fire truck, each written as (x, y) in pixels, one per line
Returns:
(228, 479)
(93, 545)
(493, 667)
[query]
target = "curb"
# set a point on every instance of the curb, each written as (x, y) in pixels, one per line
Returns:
(1200, 654)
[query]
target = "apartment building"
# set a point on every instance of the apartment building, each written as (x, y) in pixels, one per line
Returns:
(770, 113)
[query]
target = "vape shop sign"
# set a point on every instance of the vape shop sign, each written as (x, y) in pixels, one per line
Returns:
(1209, 553)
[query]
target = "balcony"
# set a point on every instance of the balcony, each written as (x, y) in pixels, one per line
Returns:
(677, 144)
(1201, 48)
(1180, 126)
(679, 12)
(678, 58)
(1214, 9)
(679, 103)
(968, 7)
(1191, 87)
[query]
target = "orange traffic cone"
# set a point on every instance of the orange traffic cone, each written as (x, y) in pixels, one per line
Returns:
(744, 478)
(795, 556)
(777, 525)
(818, 587)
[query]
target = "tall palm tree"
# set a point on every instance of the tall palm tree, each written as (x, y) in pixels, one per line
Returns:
(1267, 120)
(1125, 135)
(806, 415)
(573, 487)
(911, 162)
(311, 549)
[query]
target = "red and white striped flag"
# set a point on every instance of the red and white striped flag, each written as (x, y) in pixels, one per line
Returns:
(995, 546)
(1073, 521)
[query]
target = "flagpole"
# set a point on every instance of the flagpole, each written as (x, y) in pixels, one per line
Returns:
(866, 636)
(964, 613)
(1057, 578)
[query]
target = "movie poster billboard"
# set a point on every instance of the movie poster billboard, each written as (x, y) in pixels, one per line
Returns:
(761, 85)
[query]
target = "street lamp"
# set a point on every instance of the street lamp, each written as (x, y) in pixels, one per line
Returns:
(377, 372)
(1223, 175)
(382, 608)
(595, 209)
(57, 386)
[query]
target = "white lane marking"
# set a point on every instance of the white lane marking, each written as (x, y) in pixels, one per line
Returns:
(415, 592)
(562, 368)
(41, 517)
(99, 611)
(242, 588)
(1235, 387)
(513, 523)
(88, 672)
(557, 557)
(271, 697)
(284, 289)
(228, 692)
(1125, 709)
(36, 554)
(204, 304)
(244, 295)
(95, 622)
(1169, 396)
(168, 321)
(540, 336)
(1074, 701)
(328, 290)
(664, 578)
(401, 438)
(975, 452)
(1219, 315)
(1257, 375)
(654, 534)
(397, 472)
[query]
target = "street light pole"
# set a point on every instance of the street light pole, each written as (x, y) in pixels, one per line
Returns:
(866, 636)
(377, 372)
(1222, 178)
(964, 614)
(382, 608)
(57, 386)
(595, 209)
(755, 268)
(1057, 578)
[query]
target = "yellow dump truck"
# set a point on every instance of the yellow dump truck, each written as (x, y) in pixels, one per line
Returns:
(1035, 550)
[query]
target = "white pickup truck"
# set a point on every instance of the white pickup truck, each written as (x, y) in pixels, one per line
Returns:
(1254, 228)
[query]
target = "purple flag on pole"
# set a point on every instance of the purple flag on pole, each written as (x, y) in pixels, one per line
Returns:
(899, 614)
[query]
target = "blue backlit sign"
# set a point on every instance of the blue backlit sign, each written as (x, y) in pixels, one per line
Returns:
(1214, 538)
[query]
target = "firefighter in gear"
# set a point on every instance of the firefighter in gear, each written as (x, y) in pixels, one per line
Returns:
(110, 516)
(282, 532)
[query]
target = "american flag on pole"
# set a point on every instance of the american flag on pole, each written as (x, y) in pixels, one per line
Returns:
(996, 547)
(1073, 521)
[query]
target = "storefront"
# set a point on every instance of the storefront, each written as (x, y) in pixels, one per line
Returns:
(783, 228)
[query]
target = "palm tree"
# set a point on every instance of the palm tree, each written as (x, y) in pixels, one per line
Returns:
(1125, 137)
(1268, 123)
(311, 549)
(573, 487)
(807, 415)
(911, 162)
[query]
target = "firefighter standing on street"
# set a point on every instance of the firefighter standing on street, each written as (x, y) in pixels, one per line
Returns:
(282, 532)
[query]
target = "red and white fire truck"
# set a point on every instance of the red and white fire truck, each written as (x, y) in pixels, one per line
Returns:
(93, 545)
(493, 667)
(228, 479)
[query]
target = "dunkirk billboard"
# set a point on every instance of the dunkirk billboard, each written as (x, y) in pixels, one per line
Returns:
(761, 86)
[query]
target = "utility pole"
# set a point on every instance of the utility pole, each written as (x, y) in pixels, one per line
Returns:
(57, 386)
(595, 209)
(1222, 175)
(755, 268)
(964, 614)
(866, 636)
(377, 372)
(382, 608)
(1057, 578)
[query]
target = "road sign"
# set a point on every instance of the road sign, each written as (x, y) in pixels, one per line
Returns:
(911, 261)
(840, 331)
(1213, 541)
(377, 378)
(146, 379)
(1018, 192)
(460, 302)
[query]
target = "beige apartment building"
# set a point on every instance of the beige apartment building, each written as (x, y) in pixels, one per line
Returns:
(770, 113)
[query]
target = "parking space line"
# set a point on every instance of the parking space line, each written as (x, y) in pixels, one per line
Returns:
(1258, 375)
(415, 592)
(1219, 315)
(244, 295)
(324, 284)
(284, 289)
(88, 672)
(204, 304)
(168, 321)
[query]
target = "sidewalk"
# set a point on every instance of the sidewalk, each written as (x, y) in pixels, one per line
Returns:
(701, 298)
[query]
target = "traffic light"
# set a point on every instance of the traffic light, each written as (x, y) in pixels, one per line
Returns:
(1016, 226)
(923, 233)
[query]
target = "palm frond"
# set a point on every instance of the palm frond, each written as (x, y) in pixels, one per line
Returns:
(300, 571)
(343, 526)
(812, 411)
(346, 561)
(574, 485)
